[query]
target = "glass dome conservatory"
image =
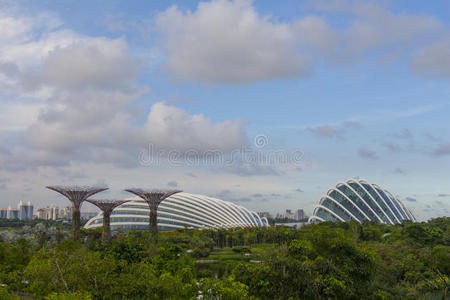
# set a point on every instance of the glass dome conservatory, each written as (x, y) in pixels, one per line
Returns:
(360, 200)
(181, 210)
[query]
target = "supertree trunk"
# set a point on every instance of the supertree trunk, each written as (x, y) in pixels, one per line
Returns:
(107, 207)
(76, 222)
(153, 224)
(153, 198)
(106, 233)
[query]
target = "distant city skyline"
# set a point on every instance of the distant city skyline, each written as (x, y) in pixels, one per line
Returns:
(266, 104)
(24, 211)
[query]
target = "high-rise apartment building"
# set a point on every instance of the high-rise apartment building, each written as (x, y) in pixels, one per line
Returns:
(12, 213)
(25, 210)
(299, 214)
(54, 213)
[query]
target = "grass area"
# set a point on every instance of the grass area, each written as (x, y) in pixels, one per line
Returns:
(258, 249)
(227, 254)
(221, 261)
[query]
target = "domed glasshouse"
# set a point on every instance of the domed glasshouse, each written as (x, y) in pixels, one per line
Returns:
(360, 200)
(179, 211)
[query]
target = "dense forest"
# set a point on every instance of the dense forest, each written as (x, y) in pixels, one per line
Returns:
(318, 261)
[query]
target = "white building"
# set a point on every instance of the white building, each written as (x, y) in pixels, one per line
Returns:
(359, 200)
(179, 211)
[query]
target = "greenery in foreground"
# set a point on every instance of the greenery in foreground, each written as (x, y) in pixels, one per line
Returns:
(318, 261)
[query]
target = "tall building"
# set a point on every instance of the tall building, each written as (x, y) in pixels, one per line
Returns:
(67, 213)
(3, 213)
(299, 214)
(25, 210)
(30, 210)
(49, 213)
(12, 213)
(41, 213)
(52, 212)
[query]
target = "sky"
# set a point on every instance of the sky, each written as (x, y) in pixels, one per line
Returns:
(263, 103)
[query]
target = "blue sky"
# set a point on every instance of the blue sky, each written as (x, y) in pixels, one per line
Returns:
(360, 88)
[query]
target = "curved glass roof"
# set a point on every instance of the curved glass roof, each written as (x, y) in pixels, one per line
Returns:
(360, 200)
(179, 211)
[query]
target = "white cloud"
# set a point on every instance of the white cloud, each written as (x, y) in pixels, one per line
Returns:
(74, 120)
(83, 88)
(314, 32)
(98, 62)
(14, 30)
(26, 41)
(172, 128)
(85, 63)
(225, 41)
(16, 116)
(374, 27)
(100, 128)
(229, 42)
(433, 60)
(93, 82)
(69, 132)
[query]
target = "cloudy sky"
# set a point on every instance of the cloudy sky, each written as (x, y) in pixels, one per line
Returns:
(264, 103)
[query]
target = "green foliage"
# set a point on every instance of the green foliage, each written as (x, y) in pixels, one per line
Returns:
(5, 295)
(13, 259)
(426, 235)
(201, 247)
(16, 223)
(318, 261)
(441, 258)
(241, 249)
(300, 249)
(225, 288)
(80, 295)
(68, 268)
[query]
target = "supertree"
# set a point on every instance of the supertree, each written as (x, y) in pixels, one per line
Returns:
(153, 198)
(77, 195)
(106, 206)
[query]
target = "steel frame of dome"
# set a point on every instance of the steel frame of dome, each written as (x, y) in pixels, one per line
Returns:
(360, 200)
(182, 210)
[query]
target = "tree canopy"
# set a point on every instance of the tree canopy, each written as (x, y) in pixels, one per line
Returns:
(318, 261)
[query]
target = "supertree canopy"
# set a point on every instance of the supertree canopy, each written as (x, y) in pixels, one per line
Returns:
(77, 195)
(106, 206)
(153, 197)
